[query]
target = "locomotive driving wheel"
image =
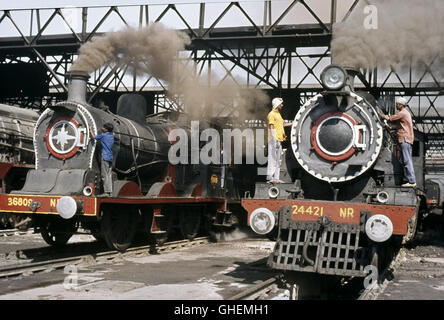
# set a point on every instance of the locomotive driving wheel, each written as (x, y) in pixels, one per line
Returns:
(57, 232)
(190, 222)
(119, 226)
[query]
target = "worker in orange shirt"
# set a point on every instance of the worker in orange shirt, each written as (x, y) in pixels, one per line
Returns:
(406, 137)
(276, 135)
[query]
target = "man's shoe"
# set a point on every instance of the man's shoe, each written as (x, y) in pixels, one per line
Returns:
(409, 185)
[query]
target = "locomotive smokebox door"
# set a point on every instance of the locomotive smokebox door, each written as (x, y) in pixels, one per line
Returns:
(343, 144)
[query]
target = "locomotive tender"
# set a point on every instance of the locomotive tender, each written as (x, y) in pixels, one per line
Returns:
(342, 206)
(64, 191)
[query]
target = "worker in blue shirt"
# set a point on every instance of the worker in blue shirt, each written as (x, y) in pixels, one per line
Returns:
(107, 141)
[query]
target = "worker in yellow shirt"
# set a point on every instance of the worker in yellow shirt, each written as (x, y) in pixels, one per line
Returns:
(276, 135)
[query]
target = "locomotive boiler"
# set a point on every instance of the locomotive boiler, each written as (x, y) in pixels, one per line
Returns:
(150, 194)
(16, 152)
(342, 206)
(66, 160)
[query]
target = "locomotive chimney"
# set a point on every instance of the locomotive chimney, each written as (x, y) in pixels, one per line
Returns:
(77, 81)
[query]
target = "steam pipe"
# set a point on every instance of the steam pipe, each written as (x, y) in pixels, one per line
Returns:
(352, 73)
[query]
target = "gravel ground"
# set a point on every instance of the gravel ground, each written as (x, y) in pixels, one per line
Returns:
(31, 240)
(420, 274)
(213, 271)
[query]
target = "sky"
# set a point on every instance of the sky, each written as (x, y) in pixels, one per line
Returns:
(190, 9)
(32, 4)
(130, 10)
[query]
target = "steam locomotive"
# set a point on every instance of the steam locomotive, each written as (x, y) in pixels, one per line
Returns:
(16, 153)
(342, 206)
(64, 191)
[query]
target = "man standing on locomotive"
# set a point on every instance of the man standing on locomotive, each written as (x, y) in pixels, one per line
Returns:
(276, 135)
(107, 141)
(405, 138)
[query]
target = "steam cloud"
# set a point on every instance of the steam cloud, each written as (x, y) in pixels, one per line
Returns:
(409, 32)
(153, 50)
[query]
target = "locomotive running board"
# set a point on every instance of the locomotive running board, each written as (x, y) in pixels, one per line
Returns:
(339, 212)
(90, 206)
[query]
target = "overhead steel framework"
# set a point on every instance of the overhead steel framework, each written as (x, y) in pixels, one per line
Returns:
(278, 46)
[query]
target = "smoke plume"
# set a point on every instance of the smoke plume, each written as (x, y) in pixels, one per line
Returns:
(221, 99)
(149, 50)
(407, 33)
(154, 51)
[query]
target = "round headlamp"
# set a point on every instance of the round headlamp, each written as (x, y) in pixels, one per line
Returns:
(333, 77)
(262, 220)
(379, 228)
(66, 207)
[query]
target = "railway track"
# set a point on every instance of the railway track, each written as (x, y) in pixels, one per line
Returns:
(97, 258)
(351, 289)
(273, 287)
(14, 232)
(261, 290)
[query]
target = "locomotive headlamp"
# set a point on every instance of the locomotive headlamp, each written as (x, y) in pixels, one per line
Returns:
(66, 207)
(262, 220)
(379, 228)
(333, 77)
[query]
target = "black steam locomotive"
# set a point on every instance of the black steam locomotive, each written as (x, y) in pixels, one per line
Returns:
(342, 206)
(16, 153)
(64, 191)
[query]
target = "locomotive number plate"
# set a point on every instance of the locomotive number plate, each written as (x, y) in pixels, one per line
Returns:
(19, 202)
(307, 210)
(42, 204)
(312, 211)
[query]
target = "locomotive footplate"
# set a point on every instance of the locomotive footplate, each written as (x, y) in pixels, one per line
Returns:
(44, 204)
(325, 236)
(339, 212)
(87, 206)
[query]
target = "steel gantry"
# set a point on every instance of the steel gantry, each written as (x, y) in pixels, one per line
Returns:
(277, 46)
